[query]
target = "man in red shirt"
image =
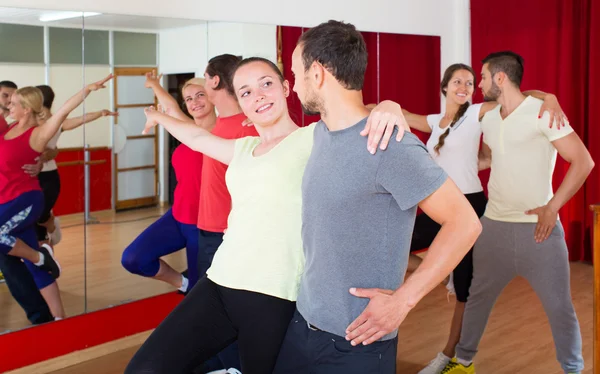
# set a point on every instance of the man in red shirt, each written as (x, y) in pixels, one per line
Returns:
(215, 202)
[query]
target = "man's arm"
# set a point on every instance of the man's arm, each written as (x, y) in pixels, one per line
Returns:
(460, 228)
(572, 149)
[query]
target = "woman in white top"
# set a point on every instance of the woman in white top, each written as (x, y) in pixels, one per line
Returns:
(48, 229)
(455, 145)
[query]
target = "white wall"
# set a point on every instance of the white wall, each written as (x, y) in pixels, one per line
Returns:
(23, 74)
(183, 50)
(242, 39)
(446, 18)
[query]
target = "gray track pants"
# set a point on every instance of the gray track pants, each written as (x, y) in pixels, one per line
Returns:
(506, 250)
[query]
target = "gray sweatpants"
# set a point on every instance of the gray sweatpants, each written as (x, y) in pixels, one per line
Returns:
(505, 250)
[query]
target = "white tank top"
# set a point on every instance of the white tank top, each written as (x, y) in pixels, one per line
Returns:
(51, 165)
(460, 154)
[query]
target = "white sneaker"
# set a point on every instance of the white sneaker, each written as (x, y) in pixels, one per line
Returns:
(185, 283)
(56, 236)
(233, 371)
(221, 371)
(436, 365)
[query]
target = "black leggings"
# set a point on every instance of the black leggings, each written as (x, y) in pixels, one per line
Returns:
(209, 319)
(50, 184)
(425, 231)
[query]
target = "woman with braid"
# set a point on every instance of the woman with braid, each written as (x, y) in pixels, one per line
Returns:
(454, 145)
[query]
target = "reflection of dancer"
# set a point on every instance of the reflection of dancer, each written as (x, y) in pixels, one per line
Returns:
(250, 289)
(18, 278)
(48, 227)
(176, 229)
(522, 235)
(21, 199)
(454, 145)
(7, 89)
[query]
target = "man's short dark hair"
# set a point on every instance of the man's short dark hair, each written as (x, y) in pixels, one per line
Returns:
(223, 66)
(48, 94)
(508, 62)
(8, 84)
(340, 48)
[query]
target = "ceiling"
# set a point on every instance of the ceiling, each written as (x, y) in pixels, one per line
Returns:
(103, 21)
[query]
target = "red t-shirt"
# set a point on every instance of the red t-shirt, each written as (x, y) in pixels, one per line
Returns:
(188, 171)
(15, 153)
(3, 124)
(215, 202)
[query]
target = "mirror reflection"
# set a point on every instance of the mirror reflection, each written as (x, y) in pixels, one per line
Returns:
(42, 162)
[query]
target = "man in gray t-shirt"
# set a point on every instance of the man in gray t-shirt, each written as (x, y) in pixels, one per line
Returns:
(358, 216)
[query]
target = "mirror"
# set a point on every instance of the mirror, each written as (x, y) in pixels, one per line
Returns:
(41, 47)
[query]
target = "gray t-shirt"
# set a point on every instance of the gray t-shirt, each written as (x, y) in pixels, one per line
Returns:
(358, 215)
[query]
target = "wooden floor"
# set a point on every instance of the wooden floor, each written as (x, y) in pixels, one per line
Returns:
(107, 283)
(517, 340)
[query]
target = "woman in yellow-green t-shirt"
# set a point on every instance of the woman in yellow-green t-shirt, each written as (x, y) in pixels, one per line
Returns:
(250, 289)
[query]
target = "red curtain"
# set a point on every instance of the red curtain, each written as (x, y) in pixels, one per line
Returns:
(403, 68)
(556, 39)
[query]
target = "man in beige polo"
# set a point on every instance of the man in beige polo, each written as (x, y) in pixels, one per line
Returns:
(522, 235)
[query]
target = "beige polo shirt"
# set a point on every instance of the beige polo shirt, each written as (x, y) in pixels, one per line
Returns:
(523, 160)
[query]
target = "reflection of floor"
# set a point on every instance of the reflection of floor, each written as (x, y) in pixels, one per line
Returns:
(517, 339)
(107, 282)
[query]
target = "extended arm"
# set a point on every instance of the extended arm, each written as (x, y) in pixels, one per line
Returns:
(164, 98)
(43, 133)
(75, 122)
(195, 137)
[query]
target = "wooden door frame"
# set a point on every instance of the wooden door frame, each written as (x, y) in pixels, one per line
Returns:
(143, 201)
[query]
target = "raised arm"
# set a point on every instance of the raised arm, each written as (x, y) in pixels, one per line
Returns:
(416, 121)
(75, 122)
(164, 98)
(192, 135)
(43, 133)
(485, 157)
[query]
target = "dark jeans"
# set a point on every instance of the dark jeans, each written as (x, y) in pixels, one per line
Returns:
(309, 350)
(22, 287)
(209, 319)
(50, 184)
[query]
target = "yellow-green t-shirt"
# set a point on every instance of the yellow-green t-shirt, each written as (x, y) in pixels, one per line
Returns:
(262, 247)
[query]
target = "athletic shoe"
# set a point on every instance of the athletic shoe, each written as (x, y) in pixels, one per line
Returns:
(453, 367)
(56, 236)
(233, 371)
(50, 264)
(222, 371)
(436, 365)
